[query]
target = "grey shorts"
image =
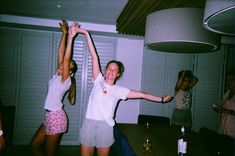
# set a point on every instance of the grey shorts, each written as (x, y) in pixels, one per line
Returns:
(96, 133)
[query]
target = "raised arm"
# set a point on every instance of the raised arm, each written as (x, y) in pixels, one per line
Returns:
(68, 52)
(133, 94)
(193, 82)
(62, 45)
(92, 50)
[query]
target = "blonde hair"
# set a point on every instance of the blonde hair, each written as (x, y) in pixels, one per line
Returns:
(72, 88)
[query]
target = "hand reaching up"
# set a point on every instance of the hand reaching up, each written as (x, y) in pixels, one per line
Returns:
(73, 30)
(64, 26)
(80, 30)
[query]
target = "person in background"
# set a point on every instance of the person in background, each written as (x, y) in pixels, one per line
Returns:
(2, 139)
(55, 119)
(181, 115)
(97, 127)
(226, 108)
(221, 141)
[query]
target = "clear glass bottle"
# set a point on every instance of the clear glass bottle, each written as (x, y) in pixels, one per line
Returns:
(147, 125)
(182, 143)
(147, 145)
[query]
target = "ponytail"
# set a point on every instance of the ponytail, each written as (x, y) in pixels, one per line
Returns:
(72, 91)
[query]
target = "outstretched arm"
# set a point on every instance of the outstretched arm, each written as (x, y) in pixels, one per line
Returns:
(92, 50)
(133, 94)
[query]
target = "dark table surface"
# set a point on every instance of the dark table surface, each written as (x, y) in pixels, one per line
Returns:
(163, 139)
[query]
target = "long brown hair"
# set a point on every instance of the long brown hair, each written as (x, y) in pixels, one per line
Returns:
(72, 89)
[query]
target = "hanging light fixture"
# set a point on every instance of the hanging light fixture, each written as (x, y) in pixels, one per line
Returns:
(179, 30)
(219, 16)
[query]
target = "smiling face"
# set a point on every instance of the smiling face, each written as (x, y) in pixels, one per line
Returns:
(112, 72)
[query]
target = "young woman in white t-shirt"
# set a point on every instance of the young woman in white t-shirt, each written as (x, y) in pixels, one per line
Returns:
(97, 127)
(55, 119)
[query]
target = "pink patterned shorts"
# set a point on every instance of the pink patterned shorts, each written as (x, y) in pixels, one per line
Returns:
(55, 122)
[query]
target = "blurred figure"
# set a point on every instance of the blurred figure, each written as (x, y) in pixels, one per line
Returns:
(222, 142)
(182, 115)
(226, 108)
(2, 139)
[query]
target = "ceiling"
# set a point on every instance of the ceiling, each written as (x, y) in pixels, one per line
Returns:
(93, 11)
(132, 19)
(128, 15)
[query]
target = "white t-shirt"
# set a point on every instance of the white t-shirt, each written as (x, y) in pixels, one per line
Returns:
(55, 93)
(103, 100)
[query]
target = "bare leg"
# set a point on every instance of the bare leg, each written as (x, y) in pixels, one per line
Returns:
(103, 151)
(52, 142)
(38, 140)
(87, 150)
